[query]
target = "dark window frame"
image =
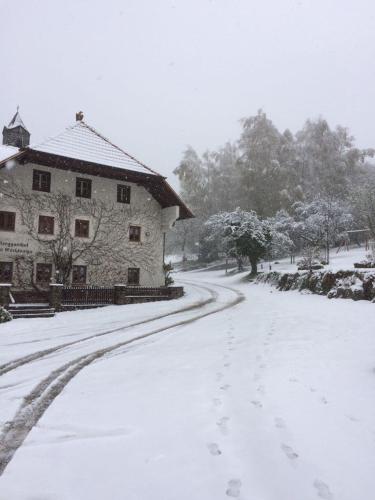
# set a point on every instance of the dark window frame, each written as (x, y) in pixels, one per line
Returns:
(40, 269)
(41, 181)
(6, 276)
(123, 193)
(7, 221)
(50, 225)
(135, 233)
(76, 269)
(83, 187)
(134, 274)
(78, 224)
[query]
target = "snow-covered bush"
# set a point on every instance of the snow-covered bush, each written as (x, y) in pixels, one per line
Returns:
(168, 280)
(5, 315)
(369, 261)
(341, 284)
(310, 259)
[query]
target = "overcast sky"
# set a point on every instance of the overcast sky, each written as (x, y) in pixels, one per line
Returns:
(157, 75)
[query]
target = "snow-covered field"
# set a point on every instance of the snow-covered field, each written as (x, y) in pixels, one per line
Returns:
(340, 259)
(266, 396)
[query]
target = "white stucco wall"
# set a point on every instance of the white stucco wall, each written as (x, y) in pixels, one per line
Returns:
(19, 247)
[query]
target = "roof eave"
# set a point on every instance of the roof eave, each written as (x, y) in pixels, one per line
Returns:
(156, 184)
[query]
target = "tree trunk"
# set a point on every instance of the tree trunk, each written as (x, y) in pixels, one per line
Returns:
(254, 265)
(239, 264)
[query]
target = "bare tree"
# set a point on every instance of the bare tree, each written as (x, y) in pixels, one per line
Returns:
(109, 230)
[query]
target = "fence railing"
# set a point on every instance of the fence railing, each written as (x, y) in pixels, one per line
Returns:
(142, 291)
(87, 295)
(62, 297)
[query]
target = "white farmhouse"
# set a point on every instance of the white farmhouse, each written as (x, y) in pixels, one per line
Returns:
(79, 210)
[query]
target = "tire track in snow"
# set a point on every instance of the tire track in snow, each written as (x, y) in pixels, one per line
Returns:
(16, 363)
(36, 403)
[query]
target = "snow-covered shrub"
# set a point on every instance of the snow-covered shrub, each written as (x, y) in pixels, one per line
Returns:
(342, 284)
(168, 280)
(310, 259)
(328, 281)
(348, 287)
(5, 315)
(369, 261)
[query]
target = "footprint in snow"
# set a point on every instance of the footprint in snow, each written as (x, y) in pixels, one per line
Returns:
(261, 389)
(257, 404)
(222, 424)
(225, 387)
(324, 401)
(234, 488)
(294, 380)
(214, 449)
(351, 418)
(322, 489)
(279, 423)
(217, 402)
(289, 452)
(227, 365)
(219, 376)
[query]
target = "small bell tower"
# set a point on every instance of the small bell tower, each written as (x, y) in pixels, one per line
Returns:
(16, 133)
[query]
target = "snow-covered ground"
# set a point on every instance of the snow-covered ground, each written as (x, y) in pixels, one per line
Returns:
(340, 259)
(271, 398)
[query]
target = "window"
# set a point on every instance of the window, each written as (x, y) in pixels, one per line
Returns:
(135, 233)
(43, 273)
(7, 221)
(6, 272)
(46, 224)
(82, 228)
(133, 276)
(79, 275)
(83, 188)
(123, 193)
(41, 181)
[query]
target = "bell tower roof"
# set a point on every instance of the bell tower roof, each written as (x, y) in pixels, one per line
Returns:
(16, 121)
(16, 133)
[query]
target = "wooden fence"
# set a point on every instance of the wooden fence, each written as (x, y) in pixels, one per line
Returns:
(88, 295)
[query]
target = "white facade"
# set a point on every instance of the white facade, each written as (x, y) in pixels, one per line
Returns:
(117, 242)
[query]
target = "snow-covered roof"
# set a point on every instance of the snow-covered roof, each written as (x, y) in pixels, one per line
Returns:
(82, 142)
(7, 152)
(16, 121)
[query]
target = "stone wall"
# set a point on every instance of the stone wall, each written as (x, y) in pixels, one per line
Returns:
(356, 285)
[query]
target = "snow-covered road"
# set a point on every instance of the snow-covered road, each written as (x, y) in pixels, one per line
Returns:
(268, 398)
